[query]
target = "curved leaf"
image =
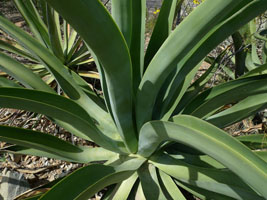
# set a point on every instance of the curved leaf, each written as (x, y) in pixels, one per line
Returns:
(254, 141)
(41, 141)
(162, 29)
(201, 193)
(137, 48)
(239, 111)
(37, 27)
(211, 141)
(60, 72)
(122, 14)
(179, 43)
(237, 13)
(212, 99)
(99, 176)
(88, 154)
(171, 187)
(214, 180)
(57, 107)
(123, 189)
(16, 49)
(22, 74)
(150, 183)
(4, 82)
(87, 18)
(45, 56)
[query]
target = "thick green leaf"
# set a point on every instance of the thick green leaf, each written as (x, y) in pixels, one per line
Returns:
(207, 161)
(171, 187)
(258, 141)
(137, 193)
(198, 85)
(123, 189)
(214, 180)
(22, 74)
(57, 107)
(99, 176)
(4, 82)
(162, 29)
(45, 56)
(88, 154)
(179, 43)
(150, 183)
(239, 111)
(207, 34)
(212, 99)
(174, 93)
(262, 155)
(13, 47)
(42, 142)
(122, 14)
(240, 55)
(59, 71)
(197, 160)
(87, 18)
(138, 41)
(211, 141)
(257, 71)
(201, 193)
(88, 90)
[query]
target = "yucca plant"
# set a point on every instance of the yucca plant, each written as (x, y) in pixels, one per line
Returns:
(54, 33)
(153, 125)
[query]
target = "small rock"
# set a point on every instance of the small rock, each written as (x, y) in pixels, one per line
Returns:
(12, 184)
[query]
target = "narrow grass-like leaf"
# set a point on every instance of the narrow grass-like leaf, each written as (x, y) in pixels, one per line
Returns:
(54, 33)
(37, 28)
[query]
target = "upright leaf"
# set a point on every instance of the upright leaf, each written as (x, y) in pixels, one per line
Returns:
(122, 14)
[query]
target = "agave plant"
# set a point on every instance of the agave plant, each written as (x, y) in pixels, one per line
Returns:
(54, 33)
(158, 132)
